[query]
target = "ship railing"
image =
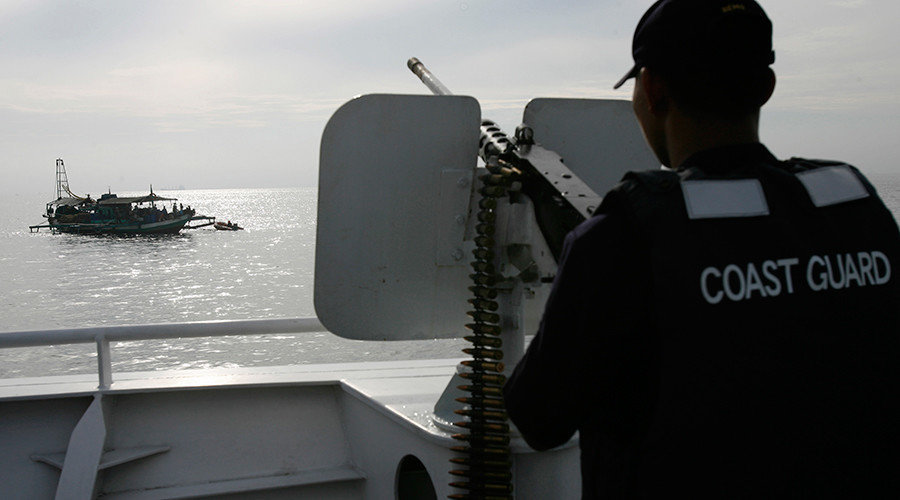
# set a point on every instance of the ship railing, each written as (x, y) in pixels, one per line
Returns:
(103, 335)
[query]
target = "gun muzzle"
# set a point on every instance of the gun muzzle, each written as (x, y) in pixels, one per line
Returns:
(427, 78)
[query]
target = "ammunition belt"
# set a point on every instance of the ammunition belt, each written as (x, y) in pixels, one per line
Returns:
(485, 432)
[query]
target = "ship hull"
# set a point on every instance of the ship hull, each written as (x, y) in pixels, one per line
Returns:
(171, 226)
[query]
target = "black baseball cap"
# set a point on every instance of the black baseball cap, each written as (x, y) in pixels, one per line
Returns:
(690, 35)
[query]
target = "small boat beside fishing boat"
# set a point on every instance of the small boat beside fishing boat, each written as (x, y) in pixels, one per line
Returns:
(227, 226)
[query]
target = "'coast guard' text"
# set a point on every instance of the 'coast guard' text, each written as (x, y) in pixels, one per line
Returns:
(771, 278)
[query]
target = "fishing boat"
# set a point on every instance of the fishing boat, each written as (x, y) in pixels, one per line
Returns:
(401, 269)
(110, 214)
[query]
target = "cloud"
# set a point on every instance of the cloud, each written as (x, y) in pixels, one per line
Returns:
(230, 79)
(849, 4)
(837, 56)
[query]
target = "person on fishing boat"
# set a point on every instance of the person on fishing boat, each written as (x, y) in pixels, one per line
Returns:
(728, 327)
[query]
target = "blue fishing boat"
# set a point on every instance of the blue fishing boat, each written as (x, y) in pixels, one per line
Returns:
(110, 214)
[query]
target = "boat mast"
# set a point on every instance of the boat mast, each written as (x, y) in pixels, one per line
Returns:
(62, 181)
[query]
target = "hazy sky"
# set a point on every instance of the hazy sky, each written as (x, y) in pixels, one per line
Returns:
(236, 94)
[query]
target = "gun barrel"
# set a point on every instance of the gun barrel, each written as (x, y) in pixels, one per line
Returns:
(427, 77)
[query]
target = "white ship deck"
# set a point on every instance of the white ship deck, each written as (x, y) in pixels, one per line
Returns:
(303, 431)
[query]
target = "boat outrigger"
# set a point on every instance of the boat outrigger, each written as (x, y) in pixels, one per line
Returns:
(110, 214)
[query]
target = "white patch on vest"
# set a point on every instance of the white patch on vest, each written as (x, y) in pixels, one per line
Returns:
(832, 185)
(724, 198)
(738, 282)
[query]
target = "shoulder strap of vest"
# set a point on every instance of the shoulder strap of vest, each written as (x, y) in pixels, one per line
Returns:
(796, 163)
(657, 181)
(636, 188)
(646, 200)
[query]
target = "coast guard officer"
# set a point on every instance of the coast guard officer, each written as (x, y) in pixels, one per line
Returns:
(729, 328)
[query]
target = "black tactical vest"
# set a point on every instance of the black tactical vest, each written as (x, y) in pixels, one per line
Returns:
(776, 298)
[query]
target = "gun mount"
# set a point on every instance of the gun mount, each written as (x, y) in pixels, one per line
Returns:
(399, 184)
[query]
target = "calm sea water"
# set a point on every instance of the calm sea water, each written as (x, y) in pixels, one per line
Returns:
(266, 271)
(55, 281)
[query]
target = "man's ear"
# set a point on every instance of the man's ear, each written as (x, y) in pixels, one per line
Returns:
(771, 84)
(654, 88)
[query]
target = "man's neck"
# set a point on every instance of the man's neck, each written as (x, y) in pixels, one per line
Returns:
(686, 136)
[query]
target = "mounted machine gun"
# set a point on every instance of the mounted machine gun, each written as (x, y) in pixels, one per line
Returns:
(403, 204)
